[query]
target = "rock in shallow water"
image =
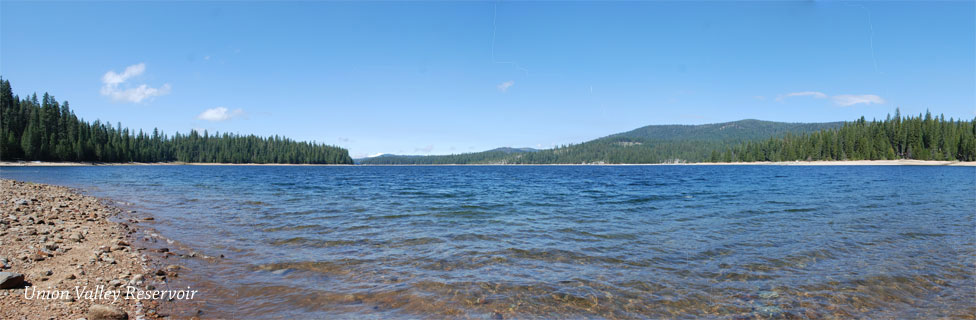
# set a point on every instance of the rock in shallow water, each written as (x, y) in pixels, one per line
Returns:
(768, 294)
(10, 280)
(103, 312)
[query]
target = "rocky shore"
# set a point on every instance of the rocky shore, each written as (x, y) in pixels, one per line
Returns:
(61, 257)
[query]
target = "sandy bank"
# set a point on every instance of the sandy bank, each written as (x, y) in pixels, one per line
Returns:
(63, 242)
(758, 163)
(850, 163)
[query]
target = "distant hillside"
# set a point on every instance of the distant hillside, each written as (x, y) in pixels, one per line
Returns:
(742, 130)
(650, 144)
(493, 156)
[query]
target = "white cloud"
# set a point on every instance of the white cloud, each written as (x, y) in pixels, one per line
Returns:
(219, 114)
(503, 87)
(112, 81)
(843, 100)
(846, 100)
(112, 78)
(815, 94)
(426, 149)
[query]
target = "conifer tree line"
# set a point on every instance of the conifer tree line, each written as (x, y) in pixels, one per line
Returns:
(921, 138)
(32, 129)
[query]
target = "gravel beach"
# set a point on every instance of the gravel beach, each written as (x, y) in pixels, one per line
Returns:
(63, 258)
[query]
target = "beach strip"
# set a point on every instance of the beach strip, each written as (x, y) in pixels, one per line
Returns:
(62, 257)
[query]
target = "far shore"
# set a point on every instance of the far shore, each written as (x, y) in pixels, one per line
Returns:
(90, 164)
(903, 162)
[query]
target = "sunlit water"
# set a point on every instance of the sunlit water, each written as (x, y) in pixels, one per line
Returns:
(562, 241)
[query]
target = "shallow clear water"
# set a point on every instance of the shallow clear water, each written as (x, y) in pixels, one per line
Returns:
(562, 241)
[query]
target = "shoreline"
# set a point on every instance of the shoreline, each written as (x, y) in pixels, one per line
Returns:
(69, 255)
(901, 162)
(99, 164)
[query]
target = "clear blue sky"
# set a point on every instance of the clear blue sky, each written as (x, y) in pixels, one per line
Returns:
(445, 77)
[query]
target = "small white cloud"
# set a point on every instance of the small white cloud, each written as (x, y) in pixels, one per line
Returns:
(843, 100)
(112, 78)
(846, 100)
(112, 81)
(503, 87)
(426, 149)
(815, 94)
(136, 94)
(219, 114)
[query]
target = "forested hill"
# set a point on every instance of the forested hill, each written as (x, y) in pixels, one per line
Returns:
(742, 130)
(921, 138)
(49, 131)
(490, 156)
(650, 144)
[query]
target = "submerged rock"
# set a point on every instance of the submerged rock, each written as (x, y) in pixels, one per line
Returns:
(768, 294)
(768, 311)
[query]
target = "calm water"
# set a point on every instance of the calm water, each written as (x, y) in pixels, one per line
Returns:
(562, 242)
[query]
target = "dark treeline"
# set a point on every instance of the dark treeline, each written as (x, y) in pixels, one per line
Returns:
(921, 138)
(32, 129)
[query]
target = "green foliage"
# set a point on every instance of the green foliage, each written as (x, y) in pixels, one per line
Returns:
(49, 131)
(922, 138)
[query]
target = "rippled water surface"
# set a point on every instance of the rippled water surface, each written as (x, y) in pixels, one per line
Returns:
(562, 241)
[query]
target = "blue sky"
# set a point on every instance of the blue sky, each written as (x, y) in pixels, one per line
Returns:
(451, 77)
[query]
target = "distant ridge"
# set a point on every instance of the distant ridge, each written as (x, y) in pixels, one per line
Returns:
(464, 158)
(742, 130)
(648, 144)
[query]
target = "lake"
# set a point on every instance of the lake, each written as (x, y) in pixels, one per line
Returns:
(560, 241)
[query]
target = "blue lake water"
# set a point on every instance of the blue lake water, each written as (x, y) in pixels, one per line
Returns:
(561, 241)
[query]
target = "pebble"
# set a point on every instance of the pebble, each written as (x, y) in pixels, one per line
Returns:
(10, 280)
(103, 312)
